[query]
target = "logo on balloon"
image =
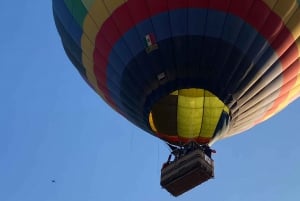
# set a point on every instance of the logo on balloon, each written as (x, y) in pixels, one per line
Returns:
(151, 44)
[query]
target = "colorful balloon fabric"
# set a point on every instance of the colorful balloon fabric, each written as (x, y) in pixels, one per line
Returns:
(186, 70)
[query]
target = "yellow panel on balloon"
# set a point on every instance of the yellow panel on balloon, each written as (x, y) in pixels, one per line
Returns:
(213, 108)
(189, 116)
(198, 113)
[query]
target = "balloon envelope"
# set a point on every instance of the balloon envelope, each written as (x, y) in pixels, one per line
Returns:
(186, 70)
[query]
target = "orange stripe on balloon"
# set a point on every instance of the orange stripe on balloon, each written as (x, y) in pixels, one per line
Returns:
(180, 140)
(281, 43)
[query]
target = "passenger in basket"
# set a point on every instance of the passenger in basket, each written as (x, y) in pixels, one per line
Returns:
(207, 150)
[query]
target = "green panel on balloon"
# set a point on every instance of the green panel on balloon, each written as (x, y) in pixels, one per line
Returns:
(241, 57)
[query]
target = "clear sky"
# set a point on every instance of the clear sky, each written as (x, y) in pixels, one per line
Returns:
(54, 127)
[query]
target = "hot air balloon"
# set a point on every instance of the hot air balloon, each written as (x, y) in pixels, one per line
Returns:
(186, 71)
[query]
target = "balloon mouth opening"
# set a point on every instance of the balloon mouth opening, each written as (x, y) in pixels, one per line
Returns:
(188, 114)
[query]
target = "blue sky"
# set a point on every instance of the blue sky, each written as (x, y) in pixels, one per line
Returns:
(53, 126)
